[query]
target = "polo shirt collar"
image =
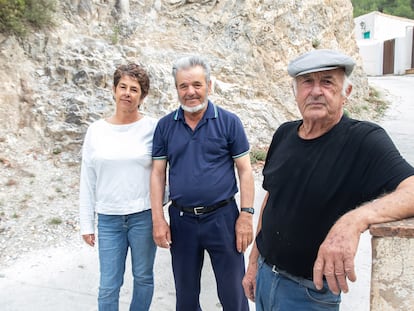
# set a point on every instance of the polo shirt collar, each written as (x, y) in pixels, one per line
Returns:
(210, 113)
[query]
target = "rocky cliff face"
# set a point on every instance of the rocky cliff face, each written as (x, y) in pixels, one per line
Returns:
(56, 82)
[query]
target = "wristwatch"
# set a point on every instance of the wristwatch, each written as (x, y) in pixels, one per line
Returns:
(249, 210)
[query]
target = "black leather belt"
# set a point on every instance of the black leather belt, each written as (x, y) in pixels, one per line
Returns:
(199, 210)
(308, 283)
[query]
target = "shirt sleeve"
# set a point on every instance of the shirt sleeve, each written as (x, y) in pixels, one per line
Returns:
(159, 147)
(87, 189)
(239, 144)
(385, 167)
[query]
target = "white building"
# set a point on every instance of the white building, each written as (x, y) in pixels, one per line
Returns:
(385, 43)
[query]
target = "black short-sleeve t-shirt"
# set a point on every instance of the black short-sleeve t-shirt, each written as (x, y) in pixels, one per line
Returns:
(311, 183)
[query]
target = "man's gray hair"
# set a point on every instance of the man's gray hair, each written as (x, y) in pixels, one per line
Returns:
(187, 62)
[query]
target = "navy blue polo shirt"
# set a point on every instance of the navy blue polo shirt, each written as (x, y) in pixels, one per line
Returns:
(201, 162)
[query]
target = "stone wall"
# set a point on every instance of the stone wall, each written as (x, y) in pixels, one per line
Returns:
(392, 284)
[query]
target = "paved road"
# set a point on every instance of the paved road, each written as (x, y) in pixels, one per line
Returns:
(399, 119)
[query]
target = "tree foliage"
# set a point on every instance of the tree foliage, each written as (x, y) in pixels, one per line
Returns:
(402, 8)
(17, 16)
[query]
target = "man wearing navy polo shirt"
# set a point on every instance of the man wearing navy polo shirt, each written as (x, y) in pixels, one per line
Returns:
(201, 143)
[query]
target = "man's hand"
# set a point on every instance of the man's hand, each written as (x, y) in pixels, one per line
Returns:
(336, 255)
(161, 233)
(244, 231)
(249, 281)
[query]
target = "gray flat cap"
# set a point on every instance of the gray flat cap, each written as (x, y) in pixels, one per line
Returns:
(320, 60)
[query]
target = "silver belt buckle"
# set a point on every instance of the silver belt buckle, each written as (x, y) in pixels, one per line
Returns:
(274, 269)
(196, 210)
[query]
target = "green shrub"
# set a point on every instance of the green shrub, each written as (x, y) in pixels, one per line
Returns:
(55, 221)
(11, 16)
(115, 34)
(18, 16)
(379, 103)
(257, 155)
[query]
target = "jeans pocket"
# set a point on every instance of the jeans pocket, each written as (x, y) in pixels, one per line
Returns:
(324, 296)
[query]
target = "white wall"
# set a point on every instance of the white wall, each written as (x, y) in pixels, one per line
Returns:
(399, 59)
(371, 52)
(409, 46)
(390, 27)
(384, 27)
(364, 22)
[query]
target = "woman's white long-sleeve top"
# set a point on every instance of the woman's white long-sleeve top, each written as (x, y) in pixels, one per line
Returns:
(115, 170)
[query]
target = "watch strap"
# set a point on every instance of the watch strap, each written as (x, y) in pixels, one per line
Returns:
(249, 210)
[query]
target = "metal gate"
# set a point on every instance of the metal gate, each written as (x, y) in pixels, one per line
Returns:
(388, 59)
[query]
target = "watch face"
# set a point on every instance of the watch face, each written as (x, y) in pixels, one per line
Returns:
(248, 210)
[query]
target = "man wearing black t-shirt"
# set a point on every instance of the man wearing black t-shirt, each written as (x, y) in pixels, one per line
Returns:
(328, 177)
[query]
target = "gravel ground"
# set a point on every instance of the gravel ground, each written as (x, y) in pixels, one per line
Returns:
(38, 206)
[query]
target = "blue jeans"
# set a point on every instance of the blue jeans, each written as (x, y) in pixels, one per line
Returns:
(276, 292)
(115, 235)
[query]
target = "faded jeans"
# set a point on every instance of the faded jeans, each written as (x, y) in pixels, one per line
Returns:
(278, 292)
(117, 233)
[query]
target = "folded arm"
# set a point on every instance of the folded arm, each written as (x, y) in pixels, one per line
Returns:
(336, 254)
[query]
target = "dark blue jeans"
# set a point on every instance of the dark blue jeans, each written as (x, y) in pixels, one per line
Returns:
(278, 292)
(214, 232)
